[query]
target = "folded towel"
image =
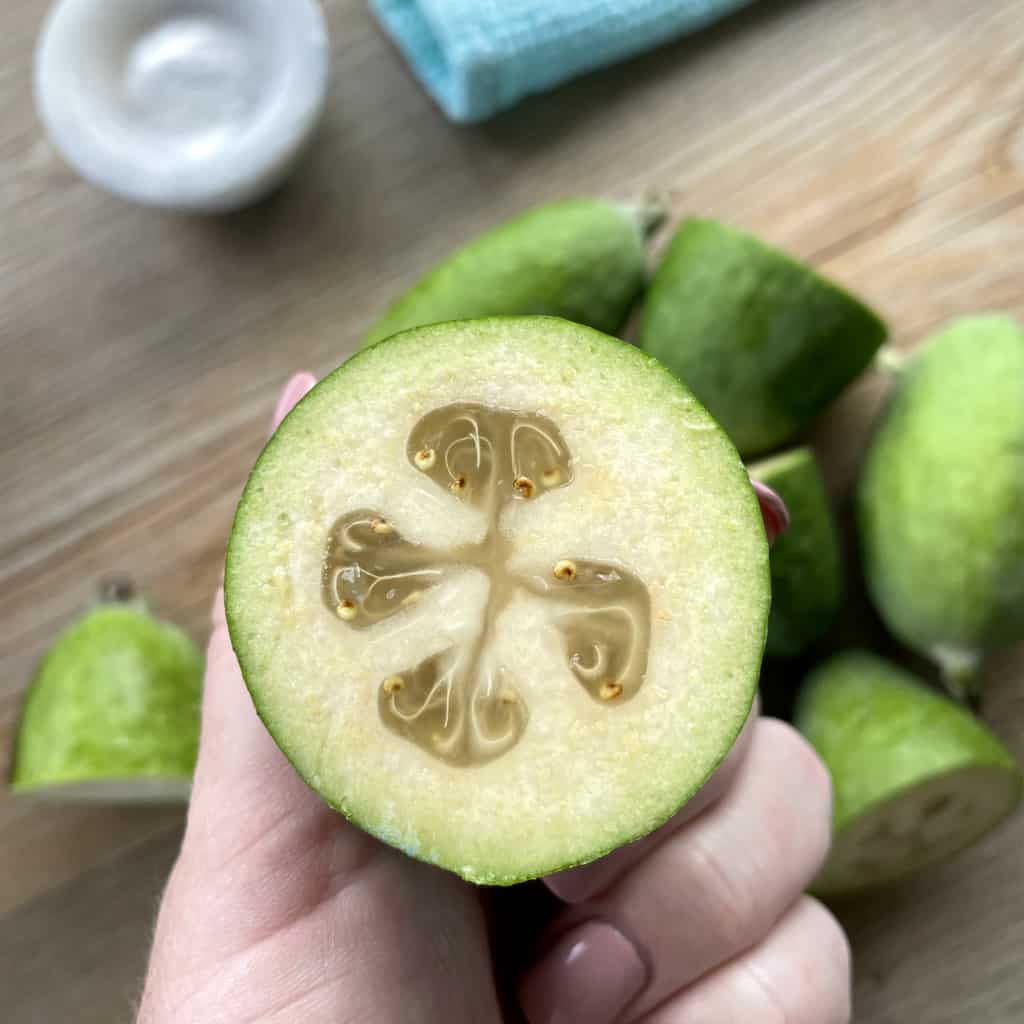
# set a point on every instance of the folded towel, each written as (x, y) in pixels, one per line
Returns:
(477, 57)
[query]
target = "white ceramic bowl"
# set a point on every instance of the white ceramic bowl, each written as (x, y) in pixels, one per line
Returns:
(187, 104)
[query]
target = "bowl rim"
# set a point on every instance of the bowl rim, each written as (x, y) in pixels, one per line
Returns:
(248, 164)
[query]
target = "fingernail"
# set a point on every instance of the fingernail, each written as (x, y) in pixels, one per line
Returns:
(295, 389)
(591, 975)
(773, 510)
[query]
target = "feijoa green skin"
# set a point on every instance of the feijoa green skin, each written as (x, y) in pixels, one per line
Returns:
(580, 259)
(113, 711)
(941, 499)
(807, 581)
(915, 777)
(763, 341)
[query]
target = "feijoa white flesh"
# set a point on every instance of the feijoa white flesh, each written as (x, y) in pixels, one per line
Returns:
(499, 590)
(915, 777)
(112, 715)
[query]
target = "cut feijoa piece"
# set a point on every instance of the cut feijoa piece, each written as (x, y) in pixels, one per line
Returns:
(762, 340)
(581, 259)
(112, 715)
(807, 581)
(499, 590)
(915, 777)
(941, 499)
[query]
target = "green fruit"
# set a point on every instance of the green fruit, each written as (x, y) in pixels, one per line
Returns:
(499, 590)
(581, 259)
(941, 500)
(915, 777)
(762, 340)
(807, 582)
(113, 712)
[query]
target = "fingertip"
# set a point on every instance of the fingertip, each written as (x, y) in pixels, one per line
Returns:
(773, 510)
(218, 615)
(296, 389)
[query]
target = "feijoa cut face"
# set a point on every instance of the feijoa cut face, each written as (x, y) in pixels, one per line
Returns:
(498, 589)
(915, 777)
(112, 715)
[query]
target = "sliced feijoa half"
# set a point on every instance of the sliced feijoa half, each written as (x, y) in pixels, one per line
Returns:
(762, 340)
(499, 590)
(582, 259)
(941, 500)
(112, 715)
(916, 778)
(807, 582)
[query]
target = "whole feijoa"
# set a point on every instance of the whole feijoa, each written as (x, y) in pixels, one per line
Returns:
(941, 499)
(499, 591)
(581, 259)
(761, 339)
(915, 777)
(807, 579)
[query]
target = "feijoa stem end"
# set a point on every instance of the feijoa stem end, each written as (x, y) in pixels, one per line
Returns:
(891, 361)
(649, 213)
(120, 591)
(960, 671)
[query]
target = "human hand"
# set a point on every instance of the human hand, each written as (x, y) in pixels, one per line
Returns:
(279, 910)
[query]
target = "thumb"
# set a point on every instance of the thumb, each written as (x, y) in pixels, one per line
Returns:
(238, 761)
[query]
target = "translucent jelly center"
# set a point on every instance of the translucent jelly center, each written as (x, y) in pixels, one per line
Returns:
(463, 705)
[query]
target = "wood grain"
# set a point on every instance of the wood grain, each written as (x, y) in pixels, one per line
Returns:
(882, 139)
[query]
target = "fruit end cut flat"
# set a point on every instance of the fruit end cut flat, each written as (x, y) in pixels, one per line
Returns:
(915, 777)
(112, 714)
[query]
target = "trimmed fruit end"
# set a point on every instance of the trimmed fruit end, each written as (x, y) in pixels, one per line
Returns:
(925, 824)
(112, 714)
(916, 778)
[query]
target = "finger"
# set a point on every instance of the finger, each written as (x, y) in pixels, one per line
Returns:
(236, 754)
(773, 510)
(294, 391)
(582, 883)
(710, 891)
(799, 974)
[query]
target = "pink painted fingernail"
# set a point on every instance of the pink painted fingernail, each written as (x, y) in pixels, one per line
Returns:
(295, 389)
(773, 510)
(591, 975)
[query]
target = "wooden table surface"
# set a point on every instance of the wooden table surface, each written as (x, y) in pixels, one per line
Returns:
(881, 139)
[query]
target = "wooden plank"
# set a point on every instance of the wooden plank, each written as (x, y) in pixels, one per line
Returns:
(883, 139)
(78, 952)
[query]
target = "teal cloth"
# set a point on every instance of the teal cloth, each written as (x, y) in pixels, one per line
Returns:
(476, 57)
